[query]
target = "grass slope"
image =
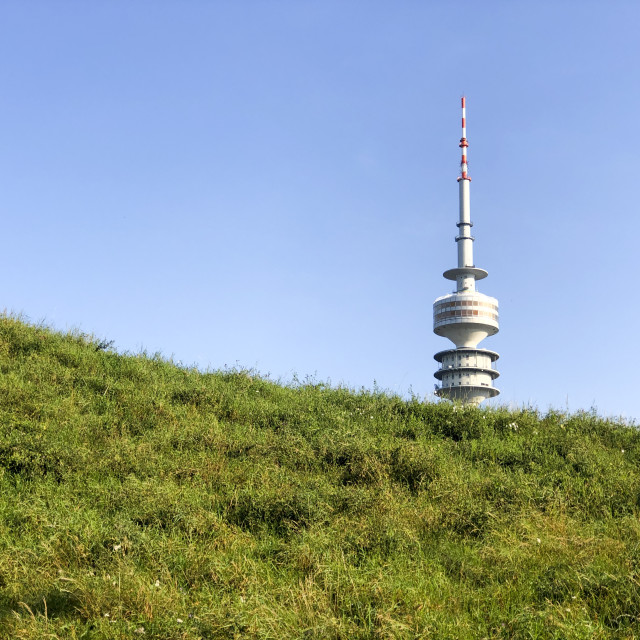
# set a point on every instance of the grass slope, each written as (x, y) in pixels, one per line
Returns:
(141, 499)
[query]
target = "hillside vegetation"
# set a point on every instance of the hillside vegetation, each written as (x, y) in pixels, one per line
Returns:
(143, 499)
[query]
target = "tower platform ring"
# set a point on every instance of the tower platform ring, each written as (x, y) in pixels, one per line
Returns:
(438, 357)
(478, 274)
(463, 390)
(492, 373)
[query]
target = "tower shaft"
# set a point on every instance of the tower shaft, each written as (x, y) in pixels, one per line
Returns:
(465, 281)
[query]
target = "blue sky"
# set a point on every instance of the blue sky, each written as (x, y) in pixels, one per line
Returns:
(272, 184)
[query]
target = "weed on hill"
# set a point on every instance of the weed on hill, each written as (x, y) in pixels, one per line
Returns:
(143, 499)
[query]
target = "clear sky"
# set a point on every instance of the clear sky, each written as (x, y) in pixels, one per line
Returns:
(272, 184)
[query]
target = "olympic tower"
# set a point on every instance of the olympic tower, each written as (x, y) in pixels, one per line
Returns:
(466, 317)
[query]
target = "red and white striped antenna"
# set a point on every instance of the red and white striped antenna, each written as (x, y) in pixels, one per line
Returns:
(463, 142)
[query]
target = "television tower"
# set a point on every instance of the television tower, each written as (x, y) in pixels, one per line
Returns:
(466, 316)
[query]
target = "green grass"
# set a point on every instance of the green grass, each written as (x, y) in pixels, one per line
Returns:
(142, 499)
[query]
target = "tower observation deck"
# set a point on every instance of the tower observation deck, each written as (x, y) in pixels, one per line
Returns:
(466, 316)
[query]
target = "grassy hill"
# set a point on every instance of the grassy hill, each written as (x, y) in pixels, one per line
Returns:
(142, 499)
